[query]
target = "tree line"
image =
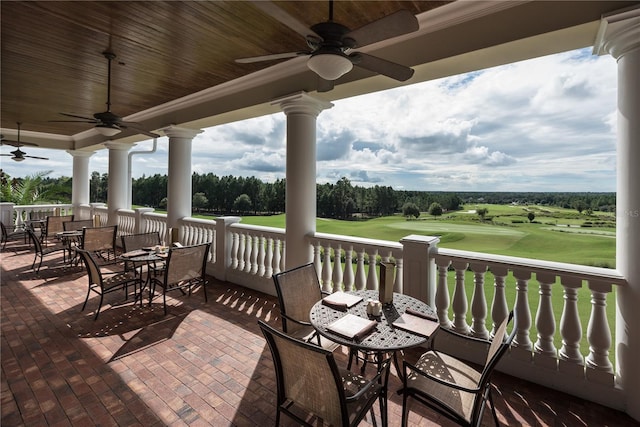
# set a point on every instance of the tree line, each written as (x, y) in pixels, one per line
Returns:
(229, 195)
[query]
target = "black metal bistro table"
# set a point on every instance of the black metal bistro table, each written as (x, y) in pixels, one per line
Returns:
(385, 339)
(146, 256)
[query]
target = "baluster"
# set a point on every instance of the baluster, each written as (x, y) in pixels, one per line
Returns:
(262, 243)
(317, 257)
(598, 332)
(522, 340)
(442, 292)
(349, 278)
(326, 269)
(277, 255)
(241, 250)
(570, 328)
(372, 277)
(337, 268)
(545, 319)
(398, 285)
(361, 279)
(255, 240)
(499, 308)
(460, 299)
(234, 250)
(479, 302)
(268, 263)
(283, 257)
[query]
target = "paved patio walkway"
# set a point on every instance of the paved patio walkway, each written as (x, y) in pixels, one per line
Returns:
(204, 364)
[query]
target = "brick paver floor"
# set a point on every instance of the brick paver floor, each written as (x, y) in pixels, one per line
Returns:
(204, 364)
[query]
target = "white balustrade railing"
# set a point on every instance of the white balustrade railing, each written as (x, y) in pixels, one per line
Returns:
(257, 250)
(335, 258)
(553, 346)
(194, 231)
(22, 213)
(573, 281)
(126, 222)
(152, 221)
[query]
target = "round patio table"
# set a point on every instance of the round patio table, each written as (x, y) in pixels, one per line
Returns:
(385, 337)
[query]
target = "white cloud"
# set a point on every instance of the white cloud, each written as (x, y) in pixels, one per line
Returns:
(546, 124)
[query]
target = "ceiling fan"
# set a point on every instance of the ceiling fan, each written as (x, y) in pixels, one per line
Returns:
(331, 43)
(18, 155)
(107, 123)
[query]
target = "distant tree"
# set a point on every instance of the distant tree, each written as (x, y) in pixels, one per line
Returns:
(435, 209)
(531, 216)
(410, 209)
(242, 203)
(199, 201)
(163, 203)
(482, 212)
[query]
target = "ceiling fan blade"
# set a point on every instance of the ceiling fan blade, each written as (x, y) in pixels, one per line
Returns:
(325, 85)
(77, 116)
(137, 128)
(394, 25)
(72, 121)
(382, 66)
(280, 15)
(16, 144)
(271, 57)
(36, 157)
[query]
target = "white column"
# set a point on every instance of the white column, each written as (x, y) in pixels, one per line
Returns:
(81, 178)
(300, 204)
(179, 195)
(117, 186)
(619, 36)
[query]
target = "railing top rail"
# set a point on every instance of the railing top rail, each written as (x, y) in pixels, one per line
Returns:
(537, 266)
(189, 219)
(126, 212)
(154, 214)
(337, 238)
(48, 205)
(260, 228)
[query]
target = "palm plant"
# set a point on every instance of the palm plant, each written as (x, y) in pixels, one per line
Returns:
(32, 190)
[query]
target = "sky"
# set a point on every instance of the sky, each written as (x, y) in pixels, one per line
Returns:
(546, 124)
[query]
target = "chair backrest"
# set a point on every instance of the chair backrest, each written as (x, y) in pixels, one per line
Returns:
(186, 263)
(54, 224)
(5, 233)
(93, 270)
(77, 225)
(307, 375)
(132, 242)
(298, 290)
(36, 241)
(498, 347)
(99, 238)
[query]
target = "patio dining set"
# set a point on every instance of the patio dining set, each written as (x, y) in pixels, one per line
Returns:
(311, 387)
(143, 262)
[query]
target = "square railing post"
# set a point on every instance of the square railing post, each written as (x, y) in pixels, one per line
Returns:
(419, 272)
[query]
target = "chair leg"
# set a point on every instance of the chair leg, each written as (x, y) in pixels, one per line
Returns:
(99, 306)
(164, 301)
(86, 299)
(405, 410)
(493, 407)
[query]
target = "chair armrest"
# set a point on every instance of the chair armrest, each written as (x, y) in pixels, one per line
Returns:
(420, 372)
(299, 322)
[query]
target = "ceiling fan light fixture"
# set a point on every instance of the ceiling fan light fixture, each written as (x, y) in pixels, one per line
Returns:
(107, 131)
(329, 66)
(17, 158)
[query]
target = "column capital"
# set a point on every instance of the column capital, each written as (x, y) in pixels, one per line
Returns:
(301, 103)
(181, 132)
(619, 33)
(121, 146)
(81, 153)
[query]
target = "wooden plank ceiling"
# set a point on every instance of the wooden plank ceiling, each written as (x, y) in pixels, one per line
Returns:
(52, 51)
